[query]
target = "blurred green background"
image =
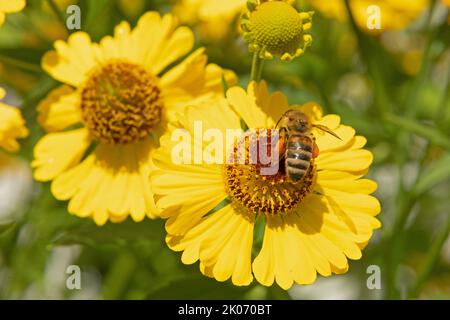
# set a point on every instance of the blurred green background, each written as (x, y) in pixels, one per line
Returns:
(392, 86)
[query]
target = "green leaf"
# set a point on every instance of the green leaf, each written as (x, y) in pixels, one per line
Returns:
(197, 287)
(112, 234)
(5, 227)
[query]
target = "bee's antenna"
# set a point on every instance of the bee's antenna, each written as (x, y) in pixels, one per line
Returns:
(279, 120)
(327, 130)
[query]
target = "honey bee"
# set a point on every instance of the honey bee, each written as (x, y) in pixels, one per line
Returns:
(297, 144)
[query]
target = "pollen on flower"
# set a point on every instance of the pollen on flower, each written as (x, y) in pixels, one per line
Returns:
(275, 28)
(256, 193)
(121, 103)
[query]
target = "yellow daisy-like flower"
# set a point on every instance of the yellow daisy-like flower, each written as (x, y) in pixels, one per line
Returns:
(116, 99)
(276, 28)
(10, 6)
(394, 14)
(312, 227)
(12, 126)
(213, 18)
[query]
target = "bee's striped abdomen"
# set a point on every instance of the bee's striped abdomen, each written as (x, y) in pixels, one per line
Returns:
(298, 156)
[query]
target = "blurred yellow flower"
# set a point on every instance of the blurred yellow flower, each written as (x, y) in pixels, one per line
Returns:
(116, 99)
(213, 18)
(394, 14)
(310, 228)
(10, 6)
(12, 126)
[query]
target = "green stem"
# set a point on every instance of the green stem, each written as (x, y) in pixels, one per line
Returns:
(57, 12)
(405, 199)
(257, 67)
(20, 64)
(118, 276)
(431, 259)
(395, 240)
(410, 106)
(383, 101)
(440, 112)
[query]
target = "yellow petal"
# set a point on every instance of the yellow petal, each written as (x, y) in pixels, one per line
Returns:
(216, 9)
(60, 109)
(71, 61)
(332, 175)
(183, 218)
(114, 182)
(364, 186)
(9, 6)
(310, 228)
(222, 241)
(185, 73)
(350, 160)
(207, 114)
(177, 45)
(57, 152)
(282, 257)
(193, 82)
(160, 41)
(120, 46)
(357, 211)
(359, 203)
(12, 127)
(330, 121)
(214, 77)
(326, 142)
(256, 107)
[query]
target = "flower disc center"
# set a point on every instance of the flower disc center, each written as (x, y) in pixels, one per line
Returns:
(121, 103)
(265, 194)
(277, 27)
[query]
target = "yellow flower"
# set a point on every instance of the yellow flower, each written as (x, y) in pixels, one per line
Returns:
(212, 17)
(276, 28)
(211, 9)
(10, 6)
(394, 14)
(12, 126)
(310, 228)
(115, 101)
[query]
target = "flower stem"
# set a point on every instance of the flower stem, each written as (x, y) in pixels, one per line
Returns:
(431, 258)
(410, 105)
(257, 67)
(440, 113)
(57, 12)
(20, 64)
(382, 99)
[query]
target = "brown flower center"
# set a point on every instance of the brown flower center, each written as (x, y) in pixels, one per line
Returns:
(121, 103)
(257, 193)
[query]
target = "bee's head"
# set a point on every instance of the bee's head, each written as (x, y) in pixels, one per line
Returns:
(296, 120)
